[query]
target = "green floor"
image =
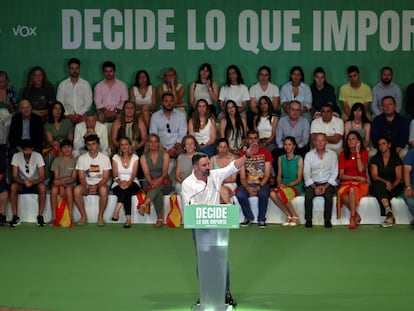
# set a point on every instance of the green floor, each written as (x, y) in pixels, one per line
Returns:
(110, 268)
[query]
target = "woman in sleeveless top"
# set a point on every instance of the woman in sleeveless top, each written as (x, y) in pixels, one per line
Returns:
(353, 162)
(204, 88)
(172, 86)
(222, 159)
(154, 164)
(129, 125)
(124, 169)
(289, 181)
(265, 123)
(359, 122)
(143, 95)
(233, 128)
(202, 126)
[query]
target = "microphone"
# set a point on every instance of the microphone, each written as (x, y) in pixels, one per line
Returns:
(196, 194)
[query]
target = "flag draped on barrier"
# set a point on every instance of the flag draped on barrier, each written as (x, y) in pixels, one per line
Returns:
(174, 215)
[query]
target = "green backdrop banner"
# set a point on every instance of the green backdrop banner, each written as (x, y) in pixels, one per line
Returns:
(153, 35)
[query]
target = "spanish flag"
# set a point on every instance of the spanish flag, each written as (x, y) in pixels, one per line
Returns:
(62, 214)
(174, 215)
(141, 196)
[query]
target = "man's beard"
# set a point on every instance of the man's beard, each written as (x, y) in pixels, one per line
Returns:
(386, 82)
(206, 173)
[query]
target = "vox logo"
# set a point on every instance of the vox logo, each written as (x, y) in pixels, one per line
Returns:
(24, 31)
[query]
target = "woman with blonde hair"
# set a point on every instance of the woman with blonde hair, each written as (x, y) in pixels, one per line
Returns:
(155, 162)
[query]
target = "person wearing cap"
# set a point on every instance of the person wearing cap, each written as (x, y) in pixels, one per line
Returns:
(93, 169)
(64, 178)
(25, 125)
(28, 176)
(90, 126)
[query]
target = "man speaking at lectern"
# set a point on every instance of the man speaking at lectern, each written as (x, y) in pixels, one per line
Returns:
(203, 187)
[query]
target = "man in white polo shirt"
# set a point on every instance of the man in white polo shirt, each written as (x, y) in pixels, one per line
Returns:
(331, 126)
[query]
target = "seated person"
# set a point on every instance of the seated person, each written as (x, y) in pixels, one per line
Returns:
(331, 126)
(386, 170)
(125, 169)
(130, 125)
(28, 176)
(320, 170)
(392, 125)
(265, 123)
(93, 169)
(90, 126)
(233, 127)
(359, 122)
(25, 125)
(289, 181)
(254, 177)
(64, 179)
(409, 183)
(75, 93)
(353, 176)
(221, 160)
(4, 187)
(155, 162)
(202, 125)
(39, 91)
(173, 87)
(110, 94)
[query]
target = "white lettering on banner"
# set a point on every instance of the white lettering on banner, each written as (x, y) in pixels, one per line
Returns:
(211, 212)
(215, 30)
(249, 30)
(116, 30)
(356, 27)
(269, 30)
(24, 31)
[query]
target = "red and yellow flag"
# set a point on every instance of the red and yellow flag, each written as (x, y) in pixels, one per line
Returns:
(141, 196)
(174, 215)
(62, 214)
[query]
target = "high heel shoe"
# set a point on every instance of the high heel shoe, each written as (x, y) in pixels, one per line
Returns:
(352, 223)
(141, 209)
(357, 218)
(127, 225)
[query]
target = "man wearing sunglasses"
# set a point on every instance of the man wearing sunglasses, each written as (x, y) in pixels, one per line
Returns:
(170, 125)
(28, 175)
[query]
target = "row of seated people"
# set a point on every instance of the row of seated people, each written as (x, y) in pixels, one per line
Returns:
(318, 172)
(109, 94)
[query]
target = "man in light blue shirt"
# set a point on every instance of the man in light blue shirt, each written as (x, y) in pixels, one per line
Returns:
(385, 88)
(170, 125)
(320, 171)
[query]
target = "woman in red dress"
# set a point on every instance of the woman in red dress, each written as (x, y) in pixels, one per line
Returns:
(353, 162)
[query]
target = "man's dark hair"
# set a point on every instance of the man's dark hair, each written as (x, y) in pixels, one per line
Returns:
(108, 64)
(74, 61)
(92, 137)
(197, 156)
(352, 68)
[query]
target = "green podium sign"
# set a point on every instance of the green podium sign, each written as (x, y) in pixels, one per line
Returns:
(215, 216)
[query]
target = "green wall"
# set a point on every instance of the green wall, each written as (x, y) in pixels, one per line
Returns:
(153, 35)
